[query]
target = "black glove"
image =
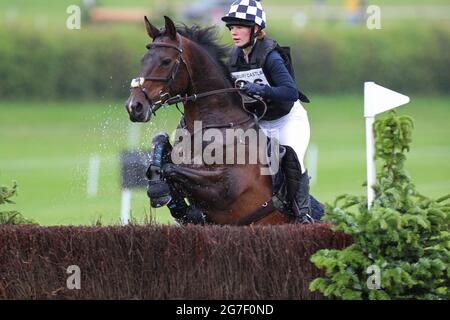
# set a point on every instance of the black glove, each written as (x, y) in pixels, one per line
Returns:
(255, 89)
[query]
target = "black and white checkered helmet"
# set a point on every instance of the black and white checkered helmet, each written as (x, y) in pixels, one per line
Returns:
(246, 12)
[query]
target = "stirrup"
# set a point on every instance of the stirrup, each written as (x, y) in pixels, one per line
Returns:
(301, 216)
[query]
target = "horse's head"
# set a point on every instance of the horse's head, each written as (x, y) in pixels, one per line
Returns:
(164, 72)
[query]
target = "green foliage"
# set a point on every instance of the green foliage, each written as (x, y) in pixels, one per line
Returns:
(10, 217)
(341, 59)
(68, 65)
(405, 234)
(99, 62)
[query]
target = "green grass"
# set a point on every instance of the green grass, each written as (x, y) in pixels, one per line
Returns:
(338, 130)
(45, 147)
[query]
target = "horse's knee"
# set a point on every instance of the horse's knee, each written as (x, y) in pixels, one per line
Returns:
(160, 136)
(161, 148)
(169, 170)
(159, 155)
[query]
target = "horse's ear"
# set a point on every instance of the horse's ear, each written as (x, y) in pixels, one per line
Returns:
(152, 31)
(171, 30)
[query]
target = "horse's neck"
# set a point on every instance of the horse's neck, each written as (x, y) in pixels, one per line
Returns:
(218, 109)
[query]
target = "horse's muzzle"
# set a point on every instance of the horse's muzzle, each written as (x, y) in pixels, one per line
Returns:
(138, 112)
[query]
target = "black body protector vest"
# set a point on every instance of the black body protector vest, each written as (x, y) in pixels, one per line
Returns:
(254, 72)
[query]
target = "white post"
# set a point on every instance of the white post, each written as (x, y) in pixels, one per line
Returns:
(93, 174)
(132, 142)
(370, 156)
(134, 132)
(125, 208)
(311, 159)
(377, 99)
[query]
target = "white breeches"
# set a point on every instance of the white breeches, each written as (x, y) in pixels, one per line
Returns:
(292, 130)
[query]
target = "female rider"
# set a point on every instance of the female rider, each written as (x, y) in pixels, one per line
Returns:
(263, 69)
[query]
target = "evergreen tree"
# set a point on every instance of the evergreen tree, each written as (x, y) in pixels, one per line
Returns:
(405, 235)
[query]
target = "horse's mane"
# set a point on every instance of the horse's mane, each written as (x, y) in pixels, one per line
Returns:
(207, 38)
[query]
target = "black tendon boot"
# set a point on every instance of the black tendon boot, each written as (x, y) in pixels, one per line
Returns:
(297, 187)
(184, 213)
(158, 190)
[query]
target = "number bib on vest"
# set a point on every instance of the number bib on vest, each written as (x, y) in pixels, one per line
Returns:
(254, 75)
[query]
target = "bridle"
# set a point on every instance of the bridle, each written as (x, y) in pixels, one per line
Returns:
(164, 95)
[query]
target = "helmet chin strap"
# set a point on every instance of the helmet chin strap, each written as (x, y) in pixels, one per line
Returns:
(252, 39)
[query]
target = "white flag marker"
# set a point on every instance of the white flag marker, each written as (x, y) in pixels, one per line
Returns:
(377, 99)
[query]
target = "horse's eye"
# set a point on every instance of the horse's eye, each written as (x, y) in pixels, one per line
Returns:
(166, 62)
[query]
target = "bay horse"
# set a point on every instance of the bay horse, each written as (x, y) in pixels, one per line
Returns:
(186, 65)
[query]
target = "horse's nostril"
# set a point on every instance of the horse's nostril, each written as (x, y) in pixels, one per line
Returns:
(138, 107)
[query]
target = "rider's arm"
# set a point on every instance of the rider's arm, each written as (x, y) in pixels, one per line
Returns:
(283, 87)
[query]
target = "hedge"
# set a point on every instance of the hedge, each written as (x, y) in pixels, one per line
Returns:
(99, 63)
(163, 262)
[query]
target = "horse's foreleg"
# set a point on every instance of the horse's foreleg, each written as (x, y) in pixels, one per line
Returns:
(196, 175)
(215, 187)
(158, 190)
(162, 193)
(184, 213)
(199, 182)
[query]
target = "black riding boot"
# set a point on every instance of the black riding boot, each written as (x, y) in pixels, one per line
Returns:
(297, 187)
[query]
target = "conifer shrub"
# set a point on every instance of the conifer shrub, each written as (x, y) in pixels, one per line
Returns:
(11, 216)
(404, 235)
